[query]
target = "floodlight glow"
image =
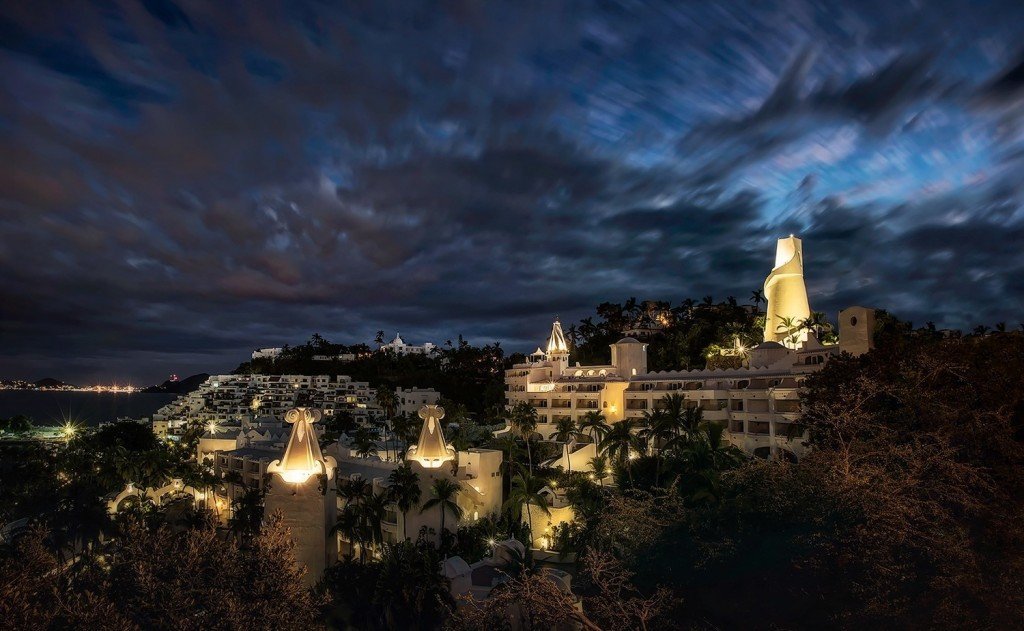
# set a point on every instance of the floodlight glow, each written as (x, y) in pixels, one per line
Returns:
(296, 477)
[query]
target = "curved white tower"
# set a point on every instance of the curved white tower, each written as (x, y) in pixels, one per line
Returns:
(786, 293)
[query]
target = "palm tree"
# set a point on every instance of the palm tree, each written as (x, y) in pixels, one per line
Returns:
(372, 513)
(354, 491)
(510, 444)
(572, 334)
(600, 466)
(444, 492)
(565, 433)
(660, 430)
(525, 490)
(348, 525)
(387, 400)
(757, 297)
(706, 457)
(619, 441)
(404, 491)
(594, 425)
(523, 419)
(791, 327)
(816, 322)
(673, 407)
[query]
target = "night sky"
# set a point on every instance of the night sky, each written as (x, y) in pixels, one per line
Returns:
(182, 182)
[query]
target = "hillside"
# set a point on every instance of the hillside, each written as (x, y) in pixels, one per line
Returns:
(182, 386)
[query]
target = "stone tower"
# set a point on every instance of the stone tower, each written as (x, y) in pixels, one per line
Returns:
(856, 330)
(302, 488)
(786, 293)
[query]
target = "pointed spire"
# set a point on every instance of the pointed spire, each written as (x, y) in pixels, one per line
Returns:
(556, 343)
(431, 450)
(302, 457)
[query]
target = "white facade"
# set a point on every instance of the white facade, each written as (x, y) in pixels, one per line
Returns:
(410, 400)
(399, 347)
(340, 357)
(267, 353)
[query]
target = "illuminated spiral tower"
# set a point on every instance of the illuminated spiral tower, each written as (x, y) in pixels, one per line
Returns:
(786, 294)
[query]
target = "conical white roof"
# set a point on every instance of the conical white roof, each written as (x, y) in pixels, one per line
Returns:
(431, 450)
(556, 343)
(302, 457)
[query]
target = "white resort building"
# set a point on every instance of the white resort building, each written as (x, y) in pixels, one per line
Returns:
(399, 347)
(267, 353)
(759, 402)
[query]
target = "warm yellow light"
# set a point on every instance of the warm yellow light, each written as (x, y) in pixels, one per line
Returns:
(614, 408)
(296, 477)
(68, 430)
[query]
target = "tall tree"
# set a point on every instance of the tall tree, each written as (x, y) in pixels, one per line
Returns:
(620, 441)
(404, 491)
(523, 419)
(566, 432)
(443, 494)
(525, 491)
(594, 425)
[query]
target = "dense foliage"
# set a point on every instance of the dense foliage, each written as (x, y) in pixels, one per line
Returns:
(158, 579)
(680, 336)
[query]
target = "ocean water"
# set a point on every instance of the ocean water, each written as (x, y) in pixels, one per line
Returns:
(88, 408)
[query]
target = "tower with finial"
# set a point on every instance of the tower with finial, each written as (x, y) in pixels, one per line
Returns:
(302, 488)
(557, 349)
(431, 451)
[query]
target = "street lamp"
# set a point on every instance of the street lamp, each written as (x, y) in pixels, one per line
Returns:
(68, 431)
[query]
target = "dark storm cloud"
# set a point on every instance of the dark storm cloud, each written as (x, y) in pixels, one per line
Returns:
(186, 180)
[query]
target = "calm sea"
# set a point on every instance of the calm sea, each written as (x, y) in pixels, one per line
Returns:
(89, 408)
